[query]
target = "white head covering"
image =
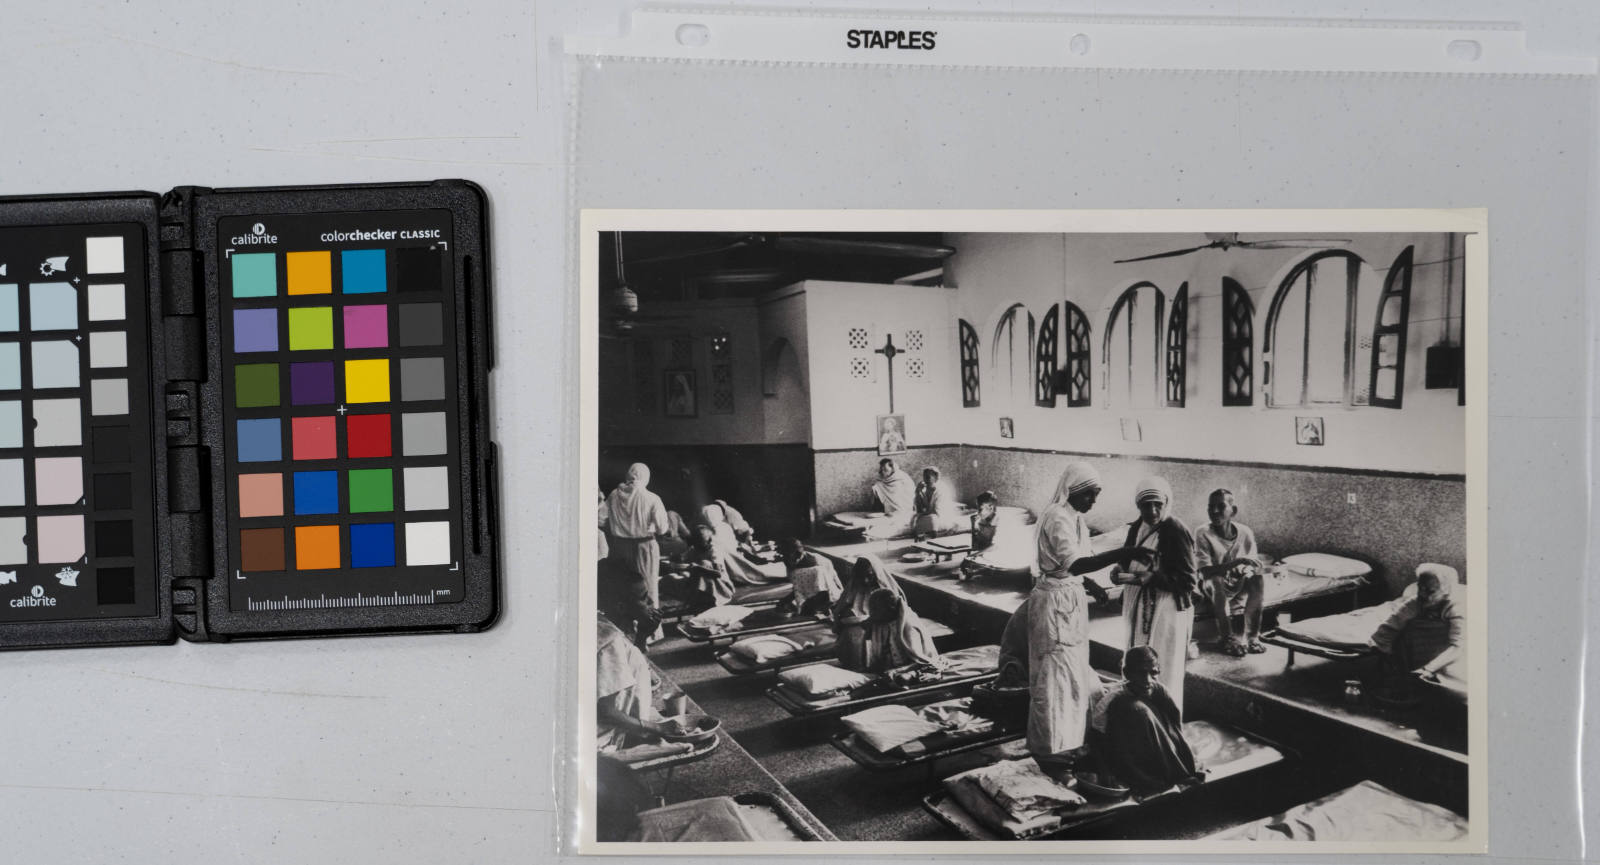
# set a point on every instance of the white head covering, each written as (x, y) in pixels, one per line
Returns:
(635, 511)
(1153, 487)
(1075, 478)
(639, 475)
(1446, 575)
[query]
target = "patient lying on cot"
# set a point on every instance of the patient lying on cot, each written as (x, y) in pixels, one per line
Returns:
(1424, 634)
(816, 583)
(1136, 737)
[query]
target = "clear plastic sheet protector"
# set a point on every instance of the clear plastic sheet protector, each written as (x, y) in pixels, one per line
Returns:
(711, 111)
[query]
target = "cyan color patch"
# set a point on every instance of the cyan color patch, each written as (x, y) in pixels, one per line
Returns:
(363, 271)
(255, 274)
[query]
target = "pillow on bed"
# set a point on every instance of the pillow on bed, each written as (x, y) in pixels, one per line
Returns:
(762, 649)
(886, 727)
(821, 680)
(720, 618)
(1326, 565)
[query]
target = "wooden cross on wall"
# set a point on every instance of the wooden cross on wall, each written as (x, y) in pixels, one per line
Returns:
(889, 351)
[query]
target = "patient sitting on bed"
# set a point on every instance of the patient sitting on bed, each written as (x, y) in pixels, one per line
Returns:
(625, 708)
(985, 521)
(1137, 734)
(895, 636)
(816, 583)
(1230, 564)
(935, 505)
(1424, 634)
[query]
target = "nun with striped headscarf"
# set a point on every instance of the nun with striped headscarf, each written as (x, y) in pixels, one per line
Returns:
(1061, 684)
(1157, 605)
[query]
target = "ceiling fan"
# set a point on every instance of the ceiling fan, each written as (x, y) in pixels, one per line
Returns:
(1230, 240)
(621, 306)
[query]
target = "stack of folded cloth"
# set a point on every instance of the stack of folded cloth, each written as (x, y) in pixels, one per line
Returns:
(886, 728)
(719, 620)
(970, 662)
(716, 819)
(1013, 797)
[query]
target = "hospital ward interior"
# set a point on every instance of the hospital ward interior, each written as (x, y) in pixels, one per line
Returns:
(984, 536)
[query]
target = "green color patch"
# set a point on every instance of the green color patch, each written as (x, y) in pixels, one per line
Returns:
(310, 328)
(255, 274)
(371, 490)
(255, 385)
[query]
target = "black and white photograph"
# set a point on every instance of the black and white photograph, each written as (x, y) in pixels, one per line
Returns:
(1102, 599)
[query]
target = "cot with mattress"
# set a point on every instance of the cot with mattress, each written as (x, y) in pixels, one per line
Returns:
(1367, 811)
(762, 620)
(1300, 579)
(679, 603)
(756, 816)
(958, 672)
(766, 653)
(1226, 754)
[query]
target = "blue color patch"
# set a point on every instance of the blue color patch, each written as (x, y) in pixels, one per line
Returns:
(260, 440)
(316, 492)
(372, 545)
(364, 271)
(52, 306)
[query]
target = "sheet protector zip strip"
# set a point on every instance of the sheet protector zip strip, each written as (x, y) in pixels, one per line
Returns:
(1478, 48)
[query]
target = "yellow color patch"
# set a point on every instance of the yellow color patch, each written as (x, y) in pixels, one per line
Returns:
(366, 380)
(309, 272)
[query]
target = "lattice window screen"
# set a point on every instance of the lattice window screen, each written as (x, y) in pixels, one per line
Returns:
(681, 353)
(722, 374)
(969, 364)
(1238, 345)
(914, 340)
(1178, 347)
(1044, 360)
(1078, 354)
(916, 370)
(862, 368)
(1389, 334)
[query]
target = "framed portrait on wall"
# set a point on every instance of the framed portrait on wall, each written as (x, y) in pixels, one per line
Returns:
(1008, 429)
(891, 434)
(1308, 431)
(679, 397)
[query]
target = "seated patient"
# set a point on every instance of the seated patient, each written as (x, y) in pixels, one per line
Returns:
(935, 506)
(1137, 732)
(710, 572)
(625, 711)
(895, 636)
(984, 522)
(816, 583)
(1425, 633)
(1229, 564)
(894, 491)
(744, 534)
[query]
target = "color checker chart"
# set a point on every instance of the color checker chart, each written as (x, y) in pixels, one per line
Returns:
(339, 383)
(75, 479)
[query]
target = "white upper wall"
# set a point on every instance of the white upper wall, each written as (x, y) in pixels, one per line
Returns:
(995, 271)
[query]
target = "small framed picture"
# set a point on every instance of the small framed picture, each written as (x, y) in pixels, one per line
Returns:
(680, 398)
(1131, 431)
(891, 434)
(1308, 431)
(1007, 431)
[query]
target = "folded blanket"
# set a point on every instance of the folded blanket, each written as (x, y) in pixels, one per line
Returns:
(970, 662)
(886, 727)
(1326, 565)
(719, 619)
(1366, 812)
(765, 648)
(955, 716)
(715, 819)
(822, 680)
(1022, 790)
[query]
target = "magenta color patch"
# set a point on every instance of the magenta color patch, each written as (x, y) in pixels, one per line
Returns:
(366, 326)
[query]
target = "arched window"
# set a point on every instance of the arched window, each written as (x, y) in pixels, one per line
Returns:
(969, 364)
(1335, 331)
(1131, 349)
(1011, 354)
(1178, 347)
(1044, 361)
(1077, 378)
(1238, 344)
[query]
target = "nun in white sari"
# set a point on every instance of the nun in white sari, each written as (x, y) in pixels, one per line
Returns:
(1061, 684)
(636, 515)
(1157, 605)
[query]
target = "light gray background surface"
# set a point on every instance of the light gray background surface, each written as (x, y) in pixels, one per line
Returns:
(439, 749)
